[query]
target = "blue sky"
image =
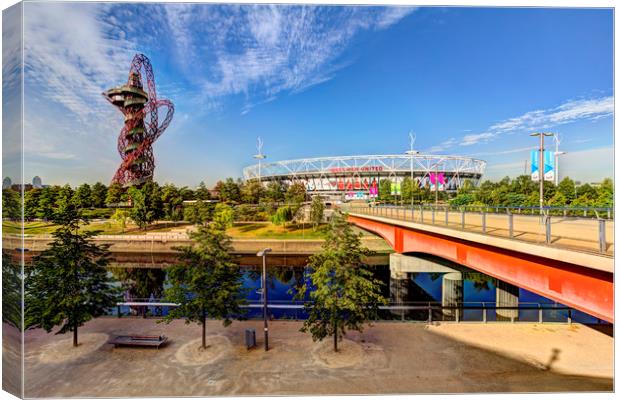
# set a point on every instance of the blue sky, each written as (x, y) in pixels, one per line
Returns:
(318, 81)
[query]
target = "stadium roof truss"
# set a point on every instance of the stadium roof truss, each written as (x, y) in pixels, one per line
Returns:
(420, 164)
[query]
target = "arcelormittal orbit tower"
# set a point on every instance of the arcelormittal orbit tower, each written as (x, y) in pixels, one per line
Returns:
(142, 127)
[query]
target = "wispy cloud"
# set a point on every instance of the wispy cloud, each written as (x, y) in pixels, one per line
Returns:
(570, 111)
(263, 50)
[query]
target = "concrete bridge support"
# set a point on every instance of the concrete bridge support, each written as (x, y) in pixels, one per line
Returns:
(451, 284)
(506, 295)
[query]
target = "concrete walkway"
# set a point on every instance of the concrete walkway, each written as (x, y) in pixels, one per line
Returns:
(392, 358)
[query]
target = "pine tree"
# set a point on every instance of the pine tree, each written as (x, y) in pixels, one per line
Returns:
(206, 283)
(68, 283)
(346, 295)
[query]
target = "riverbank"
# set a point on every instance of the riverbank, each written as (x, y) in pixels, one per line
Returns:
(387, 358)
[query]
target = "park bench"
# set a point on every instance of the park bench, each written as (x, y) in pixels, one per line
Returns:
(138, 340)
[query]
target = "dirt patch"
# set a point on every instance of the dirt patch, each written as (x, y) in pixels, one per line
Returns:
(63, 350)
(192, 353)
(349, 354)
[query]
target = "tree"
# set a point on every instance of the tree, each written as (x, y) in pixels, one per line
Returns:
(11, 204)
(11, 291)
(295, 194)
(140, 212)
(230, 191)
(31, 203)
(98, 195)
(282, 215)
(224, 215)
(317, 208)
(252, 191)
(567, 188)
(121, 216)
(114, 194)
(69, 283)
(198, 213)
(82, 196)
(206, 282)
(605, 194)
(274, 192)
(64, 200)
(385, 190)
(346, 295)
(47, 201)
(202, 192)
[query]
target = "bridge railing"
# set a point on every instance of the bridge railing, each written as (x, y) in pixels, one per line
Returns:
(428, 312)
(552, 226)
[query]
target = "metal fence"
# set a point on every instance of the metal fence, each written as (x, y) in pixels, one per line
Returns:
(586, 229)
(425, 312)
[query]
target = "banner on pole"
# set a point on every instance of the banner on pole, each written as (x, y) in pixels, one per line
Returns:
(549, 165)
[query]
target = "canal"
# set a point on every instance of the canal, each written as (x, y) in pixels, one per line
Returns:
(413, 296)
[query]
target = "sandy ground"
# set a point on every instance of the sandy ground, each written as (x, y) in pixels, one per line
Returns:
(386, 358)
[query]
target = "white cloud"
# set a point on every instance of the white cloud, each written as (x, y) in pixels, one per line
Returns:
(475, 138)
(261, 51)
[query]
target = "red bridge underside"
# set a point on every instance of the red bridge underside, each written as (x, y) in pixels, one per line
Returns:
(584, 289)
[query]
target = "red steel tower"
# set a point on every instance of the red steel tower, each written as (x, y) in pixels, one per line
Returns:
(142, 128)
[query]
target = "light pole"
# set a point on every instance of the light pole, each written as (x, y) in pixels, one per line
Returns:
(541, 166)
(411, 152)
(263, 253)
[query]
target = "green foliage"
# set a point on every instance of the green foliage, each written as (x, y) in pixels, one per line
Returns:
(11, 204)
(252, 191)
(283, 215)
(47, 201)
(250, 212)
(98, 195)
(295, 194)
(385, 190)
(230, 190)
(68, 283)
(567, 188)
(206, 282)
(462, 199)
(172, 200)
(317, 209)
(141, 283)
(31, 203)
(199, 212)
(146, 204)
(82, 196)
(98, 213)
(64, 200)
(346, 295)
(223, 216)
(11, 291)
(274, 192)
(121, 216)
(114, 194)
(202, 192)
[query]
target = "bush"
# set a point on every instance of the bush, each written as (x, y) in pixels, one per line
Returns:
(97, 213)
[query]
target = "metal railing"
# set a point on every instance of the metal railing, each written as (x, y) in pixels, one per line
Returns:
(427, 312)
(555, 226)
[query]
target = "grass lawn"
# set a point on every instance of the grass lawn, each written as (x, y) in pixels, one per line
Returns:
(106, 227)
(268, 230)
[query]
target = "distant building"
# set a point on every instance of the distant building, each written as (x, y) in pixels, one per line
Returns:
(6, 183)
(36, 182)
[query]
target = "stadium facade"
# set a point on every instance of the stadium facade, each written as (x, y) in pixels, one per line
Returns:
(358, 177)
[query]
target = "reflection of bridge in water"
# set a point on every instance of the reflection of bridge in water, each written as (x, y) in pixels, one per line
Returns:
(565, 259)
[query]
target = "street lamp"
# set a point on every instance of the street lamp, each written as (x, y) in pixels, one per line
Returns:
(411, 152)
(263, 253)
(541, 166)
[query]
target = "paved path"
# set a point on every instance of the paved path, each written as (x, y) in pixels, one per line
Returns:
(580, 234)
(396, 358)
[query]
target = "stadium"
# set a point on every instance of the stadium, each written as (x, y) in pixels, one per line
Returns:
(358, 177)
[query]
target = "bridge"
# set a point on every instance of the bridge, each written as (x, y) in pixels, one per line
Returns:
(558, 255)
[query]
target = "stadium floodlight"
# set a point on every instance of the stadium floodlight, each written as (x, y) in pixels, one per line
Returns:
(260, 156)
(411, 152)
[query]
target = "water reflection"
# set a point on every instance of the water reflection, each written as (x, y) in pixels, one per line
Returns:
(463, 290)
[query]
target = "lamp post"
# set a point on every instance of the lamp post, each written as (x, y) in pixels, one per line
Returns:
(263, 254)
(541, 166)
(411, 152)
